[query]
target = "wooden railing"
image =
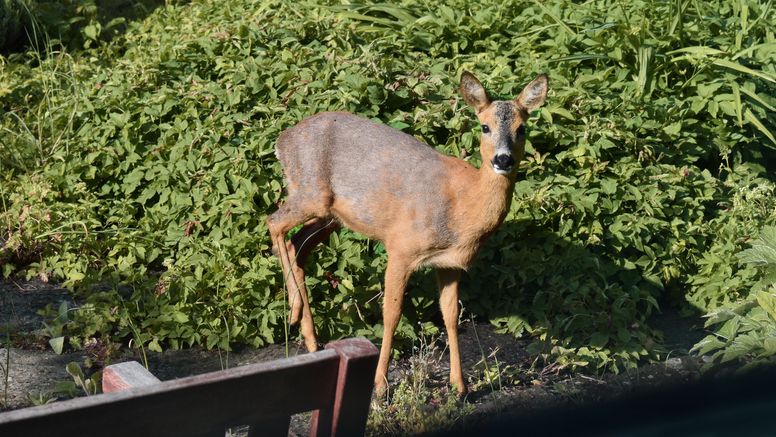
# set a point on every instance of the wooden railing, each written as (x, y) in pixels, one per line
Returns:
(335, 383)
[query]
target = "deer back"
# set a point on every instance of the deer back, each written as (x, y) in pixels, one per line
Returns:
(376, 179)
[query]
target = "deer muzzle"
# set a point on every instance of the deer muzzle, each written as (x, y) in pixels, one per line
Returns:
(503, 163)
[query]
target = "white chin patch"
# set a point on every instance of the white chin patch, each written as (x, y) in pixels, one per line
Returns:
(500, 171)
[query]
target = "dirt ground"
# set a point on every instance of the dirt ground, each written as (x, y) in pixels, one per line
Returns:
(35, 368)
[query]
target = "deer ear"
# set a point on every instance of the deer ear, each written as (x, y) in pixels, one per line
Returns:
(534, 93)
(473, 92)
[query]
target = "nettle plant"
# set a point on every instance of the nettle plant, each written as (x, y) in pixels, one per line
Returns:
(746, 330)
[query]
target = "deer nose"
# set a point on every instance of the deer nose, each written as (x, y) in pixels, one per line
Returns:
(503, 163)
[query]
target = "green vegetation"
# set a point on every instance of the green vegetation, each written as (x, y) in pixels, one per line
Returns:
(746, 329)
(137, 165)
(414, 405)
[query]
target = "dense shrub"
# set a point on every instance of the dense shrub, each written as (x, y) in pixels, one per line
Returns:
(745, 329)
(52, 25)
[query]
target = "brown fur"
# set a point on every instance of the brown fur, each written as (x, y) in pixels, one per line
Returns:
(427, 208)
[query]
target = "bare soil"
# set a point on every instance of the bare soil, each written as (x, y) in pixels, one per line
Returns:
(35, 368)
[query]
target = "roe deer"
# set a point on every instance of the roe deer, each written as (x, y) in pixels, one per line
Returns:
(428, 209)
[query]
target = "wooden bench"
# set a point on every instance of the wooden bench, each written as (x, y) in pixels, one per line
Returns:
(335, 383)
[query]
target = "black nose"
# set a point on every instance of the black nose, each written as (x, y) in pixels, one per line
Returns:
(503, 162)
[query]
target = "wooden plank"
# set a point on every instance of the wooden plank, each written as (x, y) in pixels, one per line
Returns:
(348, 414)
(272, 427)
(189, 406)
(126, 375)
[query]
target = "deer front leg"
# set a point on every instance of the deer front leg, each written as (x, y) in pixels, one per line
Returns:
(313, 232)
(294, 285)
(448, 302)
(279, 223)
(293, 276)
(397, 274)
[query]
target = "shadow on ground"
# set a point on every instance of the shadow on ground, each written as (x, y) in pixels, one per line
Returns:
(521, 386)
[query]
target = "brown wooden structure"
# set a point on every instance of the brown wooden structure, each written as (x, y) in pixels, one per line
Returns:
(335, 383)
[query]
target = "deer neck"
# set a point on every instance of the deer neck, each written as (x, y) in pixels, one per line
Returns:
(492, 198)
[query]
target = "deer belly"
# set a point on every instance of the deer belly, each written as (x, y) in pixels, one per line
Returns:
(457, 257)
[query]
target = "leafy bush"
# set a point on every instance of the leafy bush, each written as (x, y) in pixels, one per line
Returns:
(148, 175)
(746, 330)
(53, 25)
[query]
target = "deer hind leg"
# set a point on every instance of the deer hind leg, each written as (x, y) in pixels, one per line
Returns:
(279, 223)
(448, 302)
(397, 274)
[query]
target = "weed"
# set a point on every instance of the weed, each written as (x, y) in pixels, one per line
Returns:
(89, 386)
(491, 374)
(41, 398)
(416, 405)
(54, 324)
(78, 385)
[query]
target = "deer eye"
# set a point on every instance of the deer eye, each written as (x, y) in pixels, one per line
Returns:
(485, 129)
(521, 131)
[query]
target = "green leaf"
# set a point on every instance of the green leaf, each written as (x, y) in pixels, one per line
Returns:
(737, 103)
(708, 344)
(768, 302)
(91, 31)
(743, 69)
(758, 99)
(74, 370)
(154, 345)
(212, 341)
(57, 344)
(62, 312)
(769, 344)
(673, 129)
(609, 186)
(703, 51)
(719, 316)
(180, 317)
(599, 339)
(751, 118)
(763, 250)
